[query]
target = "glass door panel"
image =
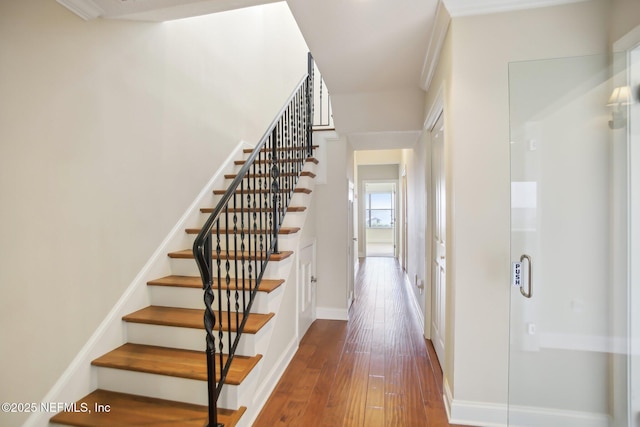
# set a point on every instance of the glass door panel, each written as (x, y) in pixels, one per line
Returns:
(568, 363)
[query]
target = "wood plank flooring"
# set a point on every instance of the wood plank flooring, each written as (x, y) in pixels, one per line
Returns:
(374, 370)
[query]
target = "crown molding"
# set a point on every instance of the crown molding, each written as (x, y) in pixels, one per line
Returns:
(85, 9)
(459, 8)
(438, 34)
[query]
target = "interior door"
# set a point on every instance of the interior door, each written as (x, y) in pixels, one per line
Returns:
(439, 250)
(306, 288)
(405, 226)
(351, 246)
(568, 355)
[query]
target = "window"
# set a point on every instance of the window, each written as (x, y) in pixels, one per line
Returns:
(379, 210)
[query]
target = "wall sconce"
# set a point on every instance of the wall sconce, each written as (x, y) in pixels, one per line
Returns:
(619, 99)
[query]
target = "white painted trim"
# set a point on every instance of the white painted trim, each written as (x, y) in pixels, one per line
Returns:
(628, 41)
(414, 301)
(85, 9)
(80, 378)
(447, 397)
(330, 313)
(271, 380)
(473, 413)
(487, 414)
(438, 34)
(460, 8)
(481, 414)
(435, 110)
(529, 416)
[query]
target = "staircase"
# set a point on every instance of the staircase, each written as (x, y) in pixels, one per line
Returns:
(164, 375)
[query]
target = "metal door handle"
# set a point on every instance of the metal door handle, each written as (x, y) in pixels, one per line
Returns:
(529, 293)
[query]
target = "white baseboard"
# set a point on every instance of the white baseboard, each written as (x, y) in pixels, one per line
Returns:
(329, 313)
(414, 302)
(485, 414)
(481, 414)
(528, 416)
(80, 378)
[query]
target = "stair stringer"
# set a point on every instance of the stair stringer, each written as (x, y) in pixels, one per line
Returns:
(80, 378)
(283, 336)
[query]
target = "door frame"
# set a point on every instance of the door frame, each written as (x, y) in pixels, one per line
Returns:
(363, 209)
(404, 235)
(436, 110)
(352, 245)
(438, 243)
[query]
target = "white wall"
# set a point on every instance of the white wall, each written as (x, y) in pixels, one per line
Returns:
(415, 161)
(331, 203)
(474, 74)
(108, 130)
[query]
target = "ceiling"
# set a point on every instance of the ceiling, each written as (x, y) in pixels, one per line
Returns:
(371, 53)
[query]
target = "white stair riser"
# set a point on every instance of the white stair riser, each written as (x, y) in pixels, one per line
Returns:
(169, 296)
(291, 219)
(286, 242)
(188, 267)
(153, 385)
(174, 388)
(298, 199)
(303, 182)
(194, 339)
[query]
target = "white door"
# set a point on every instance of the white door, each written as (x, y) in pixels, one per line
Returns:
(405, 227)
(351, 257)
(306, 288)
(439, 262)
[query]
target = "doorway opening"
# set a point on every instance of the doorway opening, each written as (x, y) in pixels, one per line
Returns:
(380, 219)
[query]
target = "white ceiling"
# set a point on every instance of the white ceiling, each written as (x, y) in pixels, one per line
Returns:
(371, 53)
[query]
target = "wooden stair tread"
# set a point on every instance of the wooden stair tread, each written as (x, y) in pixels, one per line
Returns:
(193, 318)
(129, 410)
(308, 159)
(266, 285)
(173, 362)
(251, 210)
(283, 230)
(188, 254)
(264, 191)
(268, 175)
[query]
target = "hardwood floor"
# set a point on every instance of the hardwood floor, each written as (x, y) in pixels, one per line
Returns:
(374, 370)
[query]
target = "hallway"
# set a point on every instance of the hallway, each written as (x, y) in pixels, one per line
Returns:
(374, 370)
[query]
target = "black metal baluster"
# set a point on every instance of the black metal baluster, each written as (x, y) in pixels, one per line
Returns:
(219, 308)
(236, 273)
(227, 277)
(259, 239)
(252, 215)
(286, 157)
(242, 244)
(209, 325)
(274, 189)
